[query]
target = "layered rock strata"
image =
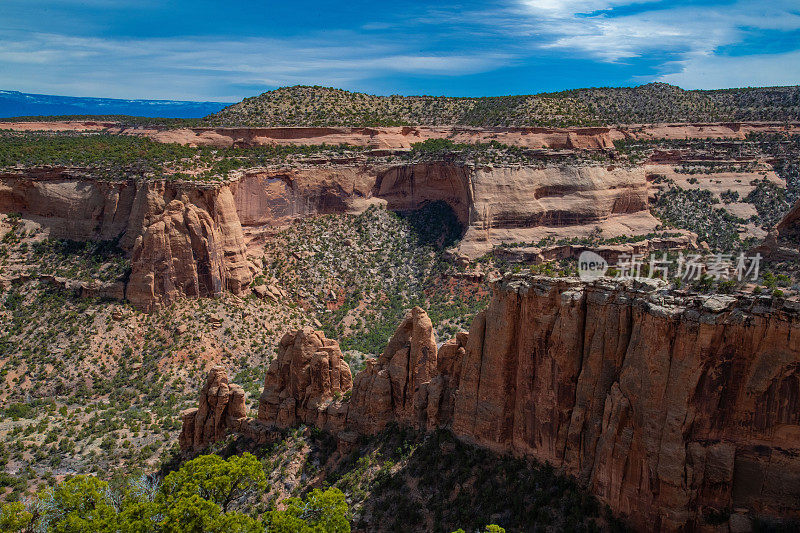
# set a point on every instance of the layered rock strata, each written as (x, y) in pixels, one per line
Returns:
(392, 137)
(666, 407)
(493, 204)
(186, 239)
(183, 239)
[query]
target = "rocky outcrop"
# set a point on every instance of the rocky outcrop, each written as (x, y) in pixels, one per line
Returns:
(517, 197)
(69, 203)
(518, 204)
(183, 239)
(306, 382)
(783, 241)
(493, 204)
(668, 408)
(395, 387)
(222, 409)
(664, 407)
(186, 239)
(278, 196)
(190, 244)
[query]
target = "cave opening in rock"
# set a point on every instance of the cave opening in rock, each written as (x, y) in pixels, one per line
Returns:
(435, 224)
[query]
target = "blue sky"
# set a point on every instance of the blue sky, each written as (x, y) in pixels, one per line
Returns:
(224, 51)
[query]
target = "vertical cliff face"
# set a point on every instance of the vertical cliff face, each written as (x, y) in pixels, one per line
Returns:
(183, 239)
(276, 197)
(67, 204)
(666, 407)
(185, 242)
(497, 204)
(661, 407)
(491, 203)
(517, 197)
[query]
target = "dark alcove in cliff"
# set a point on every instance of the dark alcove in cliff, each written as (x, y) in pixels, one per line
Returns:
(435, 224)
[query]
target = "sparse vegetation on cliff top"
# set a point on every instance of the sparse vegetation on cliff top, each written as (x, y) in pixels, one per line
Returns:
(654, 102)
(117, 157)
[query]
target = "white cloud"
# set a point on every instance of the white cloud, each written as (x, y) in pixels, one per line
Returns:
(574, 7)
(187, 68)
(719, 72)
(588, 27)
(690, 35)
(682, 43)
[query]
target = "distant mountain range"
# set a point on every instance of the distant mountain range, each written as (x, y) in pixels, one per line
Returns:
(17, 104)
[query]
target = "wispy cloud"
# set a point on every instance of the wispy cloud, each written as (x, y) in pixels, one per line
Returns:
(686, 37)
(183, 67)
(619, 41)
(594, 28)
(707, 71)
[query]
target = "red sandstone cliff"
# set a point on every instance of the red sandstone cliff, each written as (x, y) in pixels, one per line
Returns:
(186, 239)
(183, 239)
(494, 204)
(663, 406)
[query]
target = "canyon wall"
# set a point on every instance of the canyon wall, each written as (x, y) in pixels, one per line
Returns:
(278, 196)
(666, 407)
(186, 238)
(493, 204)
(183, 239)
(662, 406)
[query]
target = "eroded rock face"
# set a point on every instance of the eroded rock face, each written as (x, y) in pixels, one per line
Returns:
(395, 387)
(305, 382)
(183, 240)
(660, 406)
(276, 197)
(663, 406)
(67, 203)
(493, 204)
(222, 409)
(191, 246)
(408, 187)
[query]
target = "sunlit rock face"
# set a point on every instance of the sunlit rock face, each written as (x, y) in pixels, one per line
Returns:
(183, 239)
(664, 406)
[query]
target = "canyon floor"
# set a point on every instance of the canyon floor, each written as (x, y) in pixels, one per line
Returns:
(135, 259)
